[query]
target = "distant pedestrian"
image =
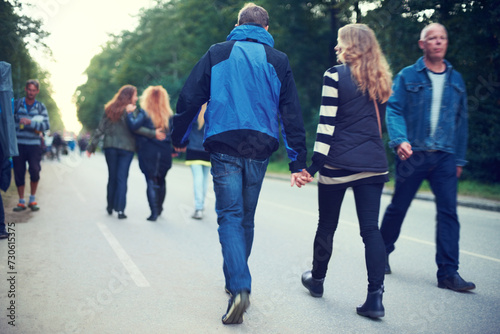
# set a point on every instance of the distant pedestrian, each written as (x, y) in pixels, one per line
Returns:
(57, 145)
(199, 161)
(8, 140)
(251, 92)
(83, 141)
(155, 154)
(349, 152)
(48, 139)
(427, 121)
(118, 145)
(32, 119)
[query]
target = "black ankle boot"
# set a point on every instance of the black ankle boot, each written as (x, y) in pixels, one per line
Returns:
(314, 285)
(153, 217)
(152, 194)
(387, 266)
(372, 307)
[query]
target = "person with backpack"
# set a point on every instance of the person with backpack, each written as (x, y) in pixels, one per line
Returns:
(31, 119)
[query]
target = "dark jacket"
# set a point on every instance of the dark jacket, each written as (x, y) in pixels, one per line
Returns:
(195, 149)
(250, 90)
(116, 135)
(155, 156)
(356, 144)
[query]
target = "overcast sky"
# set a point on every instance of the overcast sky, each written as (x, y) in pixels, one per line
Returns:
(78, 28)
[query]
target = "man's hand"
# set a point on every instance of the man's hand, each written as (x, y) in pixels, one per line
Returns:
(25, 121)
(459, 171)
(404, 151)
(301, 179)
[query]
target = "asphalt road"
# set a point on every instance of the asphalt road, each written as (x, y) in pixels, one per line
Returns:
(74, 269)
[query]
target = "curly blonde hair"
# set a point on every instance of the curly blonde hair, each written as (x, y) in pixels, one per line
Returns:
(115, 108)
(359, 48)
(156, 102)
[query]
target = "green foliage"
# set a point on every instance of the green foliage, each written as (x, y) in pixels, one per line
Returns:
(474, 50)
(173, 35)
(18, 34)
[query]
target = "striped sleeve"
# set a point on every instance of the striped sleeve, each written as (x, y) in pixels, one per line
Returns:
(327, 117)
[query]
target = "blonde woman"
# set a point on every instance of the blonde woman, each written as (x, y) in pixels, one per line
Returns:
(155, 154)
(349, 152)
(199, 160)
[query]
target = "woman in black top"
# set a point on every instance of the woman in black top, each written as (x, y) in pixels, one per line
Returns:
(349, 152)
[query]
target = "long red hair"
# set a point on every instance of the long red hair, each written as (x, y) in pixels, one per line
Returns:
(115, 107)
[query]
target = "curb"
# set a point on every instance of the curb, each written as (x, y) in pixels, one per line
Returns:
(469, 202)
(464, 201)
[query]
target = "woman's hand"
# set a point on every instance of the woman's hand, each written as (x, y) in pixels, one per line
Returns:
(130, 108)
(160, 134)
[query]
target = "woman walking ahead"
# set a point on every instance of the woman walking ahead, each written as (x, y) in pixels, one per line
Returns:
(155, 154)
(349, 152)
(199, 160)
(118, 145)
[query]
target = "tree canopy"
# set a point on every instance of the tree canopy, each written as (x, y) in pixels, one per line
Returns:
(174, 34)
(18, 34)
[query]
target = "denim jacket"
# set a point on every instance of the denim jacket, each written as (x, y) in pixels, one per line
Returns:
(409, 111)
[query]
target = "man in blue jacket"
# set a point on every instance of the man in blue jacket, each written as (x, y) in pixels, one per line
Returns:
(427, 124)
(250, 90)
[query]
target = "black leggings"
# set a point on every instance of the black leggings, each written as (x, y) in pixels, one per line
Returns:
(367, 197)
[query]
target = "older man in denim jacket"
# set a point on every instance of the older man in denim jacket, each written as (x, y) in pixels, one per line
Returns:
(427, 124)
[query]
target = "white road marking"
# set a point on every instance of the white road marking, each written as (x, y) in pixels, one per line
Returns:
(315, 214)
(124, 258)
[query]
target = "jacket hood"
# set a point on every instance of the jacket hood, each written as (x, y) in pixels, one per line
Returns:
(246, 31)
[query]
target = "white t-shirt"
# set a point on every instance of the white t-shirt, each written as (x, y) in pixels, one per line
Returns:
(437, 80)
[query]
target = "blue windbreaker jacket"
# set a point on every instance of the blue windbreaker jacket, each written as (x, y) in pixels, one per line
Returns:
(250, 91)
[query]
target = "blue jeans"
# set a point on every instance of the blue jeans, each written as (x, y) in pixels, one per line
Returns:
(118, 161)
(237, 184)
(200, 181)
(367, 198)
(440, 169)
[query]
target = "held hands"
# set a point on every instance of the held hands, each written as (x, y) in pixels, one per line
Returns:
(404, 151)
(301, 179)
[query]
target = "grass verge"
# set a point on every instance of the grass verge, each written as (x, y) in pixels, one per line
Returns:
(465, 187)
